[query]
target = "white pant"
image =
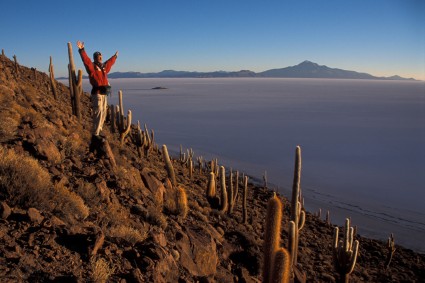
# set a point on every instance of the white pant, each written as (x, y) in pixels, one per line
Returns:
(99, 103)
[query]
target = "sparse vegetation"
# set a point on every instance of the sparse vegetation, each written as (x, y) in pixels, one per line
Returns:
(75, 218)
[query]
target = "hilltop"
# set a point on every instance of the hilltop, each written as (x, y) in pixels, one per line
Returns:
(305, 69)
(68, 215)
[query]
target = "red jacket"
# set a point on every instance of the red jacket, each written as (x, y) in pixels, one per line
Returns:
(98, 76)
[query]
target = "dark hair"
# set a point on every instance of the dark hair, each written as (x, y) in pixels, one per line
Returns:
(97, 53)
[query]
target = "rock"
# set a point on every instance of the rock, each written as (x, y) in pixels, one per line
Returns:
(5, 210)
(136, 276)
(154, 186)
(47, 150)
(155, 262)
(104, 191)
(100, 239)
(35, 215)
(198, 253)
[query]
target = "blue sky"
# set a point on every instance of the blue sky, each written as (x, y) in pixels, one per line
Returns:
(381, 37)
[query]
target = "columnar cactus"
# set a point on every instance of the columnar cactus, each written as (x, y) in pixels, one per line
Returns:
(344, 252)
(223, 200)
(281, 266)
(124, 123)
(191, 169)
(211, 189)
(297, 213)
(244, 200)
(141, 140)
(230, 195)
(16, 64)
(272, 235)
(236, 190)
(391, 250)
(181, 202)
(169, 166)
(52, 79)
(200, 160)
(75, 85)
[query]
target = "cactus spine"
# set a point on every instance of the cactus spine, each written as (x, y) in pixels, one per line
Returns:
(169, 166)
(344, 252)
(297, 213)
(223, 201)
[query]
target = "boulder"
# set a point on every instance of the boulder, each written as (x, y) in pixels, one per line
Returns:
(35, 215)
(198, 251)
(154, 185)
(5, 210)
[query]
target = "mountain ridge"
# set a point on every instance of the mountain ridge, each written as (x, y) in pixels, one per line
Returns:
(305, 69)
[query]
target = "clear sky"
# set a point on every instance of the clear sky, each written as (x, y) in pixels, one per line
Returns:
(380, 37)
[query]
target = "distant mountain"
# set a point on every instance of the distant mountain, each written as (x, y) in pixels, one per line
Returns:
(182, 74)
(305, 69)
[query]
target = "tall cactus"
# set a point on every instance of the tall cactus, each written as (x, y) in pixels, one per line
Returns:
(344, 252)
(181, 202)
(272, 235)
(75, 85)
(281, 266)
(169, 166)
(236, 191)
(276, 265)
(391, 250)
(230, 194)
(211, 189)
(223, 200)
(244, 201)
(52, 79)
(124, 124)
(297, 213)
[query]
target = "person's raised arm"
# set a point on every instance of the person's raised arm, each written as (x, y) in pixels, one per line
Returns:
(86, 60)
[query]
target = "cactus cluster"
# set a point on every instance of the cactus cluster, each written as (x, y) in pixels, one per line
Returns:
(118, 120)
(143, 141)
(345, 252)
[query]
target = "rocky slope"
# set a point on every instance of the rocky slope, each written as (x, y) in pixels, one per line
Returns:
(68, 215)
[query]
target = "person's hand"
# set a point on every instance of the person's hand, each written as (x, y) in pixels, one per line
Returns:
(80, 44)
(116, 54)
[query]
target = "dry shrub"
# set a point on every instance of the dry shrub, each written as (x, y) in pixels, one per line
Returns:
(89, 193)
(155, 217)
(8, 126)
(130, 179)
(23, 181)
(127, 233)
(100, 270)
(69, 205)
(115, 215)
(72, 144)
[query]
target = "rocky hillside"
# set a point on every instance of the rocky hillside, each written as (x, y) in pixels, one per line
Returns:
(68, 215)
